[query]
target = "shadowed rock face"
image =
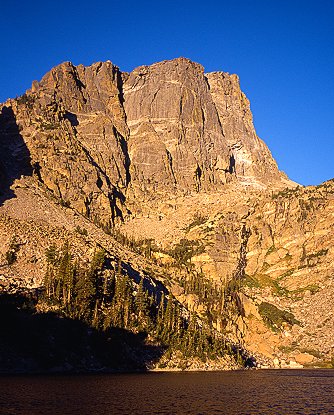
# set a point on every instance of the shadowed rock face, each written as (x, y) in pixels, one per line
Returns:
(14, 155)
(97, 136)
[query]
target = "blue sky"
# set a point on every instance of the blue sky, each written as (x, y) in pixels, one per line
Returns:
(282, 50)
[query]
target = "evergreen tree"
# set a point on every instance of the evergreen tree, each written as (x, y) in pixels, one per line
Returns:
(142, 305)
(52, 255)
(85, 293)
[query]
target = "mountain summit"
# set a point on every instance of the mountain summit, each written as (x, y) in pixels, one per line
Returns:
(145, 200)
(97, 136)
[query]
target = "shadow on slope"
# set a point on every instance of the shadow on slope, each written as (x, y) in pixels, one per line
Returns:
(32, 342)
(14, 154)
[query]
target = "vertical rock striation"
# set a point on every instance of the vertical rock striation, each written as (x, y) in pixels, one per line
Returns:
(73, 125)
(176, 140)
(253, 163)
(95, 136)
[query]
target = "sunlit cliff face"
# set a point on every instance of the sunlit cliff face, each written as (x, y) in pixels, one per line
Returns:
(169, 154)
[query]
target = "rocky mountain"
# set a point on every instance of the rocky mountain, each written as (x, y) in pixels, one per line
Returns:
(162, 169)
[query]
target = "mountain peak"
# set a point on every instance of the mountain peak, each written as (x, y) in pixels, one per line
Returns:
(164, 161)
(162, 129)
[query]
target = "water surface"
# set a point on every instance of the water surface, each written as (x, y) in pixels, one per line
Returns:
(283, 392)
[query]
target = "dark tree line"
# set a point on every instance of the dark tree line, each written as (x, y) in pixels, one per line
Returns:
(104, 297)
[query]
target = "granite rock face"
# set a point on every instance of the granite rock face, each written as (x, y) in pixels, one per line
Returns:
(169, 154)
(271, 251)
(72, 125)
(252, 160)
(95, 136)
(176, 140)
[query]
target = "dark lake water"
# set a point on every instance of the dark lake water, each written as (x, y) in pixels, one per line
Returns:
(249, 392)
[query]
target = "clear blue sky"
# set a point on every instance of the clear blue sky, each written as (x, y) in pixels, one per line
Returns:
(283, 51)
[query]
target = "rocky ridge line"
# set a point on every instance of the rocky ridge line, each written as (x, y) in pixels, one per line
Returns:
(172, 152)
(96, 136)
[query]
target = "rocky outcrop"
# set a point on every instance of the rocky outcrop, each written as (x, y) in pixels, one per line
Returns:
(290, 263)
(95, 136)
(72, 124)
(251, 160)
(273, 253)
(176, 140)
(172, 152)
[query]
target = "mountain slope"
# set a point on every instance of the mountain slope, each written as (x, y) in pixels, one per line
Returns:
(162, 168)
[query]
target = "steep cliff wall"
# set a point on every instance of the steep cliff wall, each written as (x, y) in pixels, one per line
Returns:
(172, 152)
(176, 140)
(72, 125)
(94, 135)
(253, 163)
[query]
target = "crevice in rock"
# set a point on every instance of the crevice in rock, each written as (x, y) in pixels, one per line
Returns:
(233, 303)
(214, 105)
(114, 194)
(72, 118)
(78, 82)
(170, 162)
(127, 161)
(120, 83)
(198, 175)
(37, 171)
(231, 168)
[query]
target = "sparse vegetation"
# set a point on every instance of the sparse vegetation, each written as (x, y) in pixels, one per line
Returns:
(275, 317)
(81, 231)
(49, 125)
(287, 257)
(64, 203)
(11, 254)
(181, 252)
(184, 250)
(271, 250)
(322, 252)
(251, 282)
(288, 349)
(286, 274)
(198, 220)
(145, 246)
(287, 192)
(299, 292)
(316, 353)
(264, 280)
